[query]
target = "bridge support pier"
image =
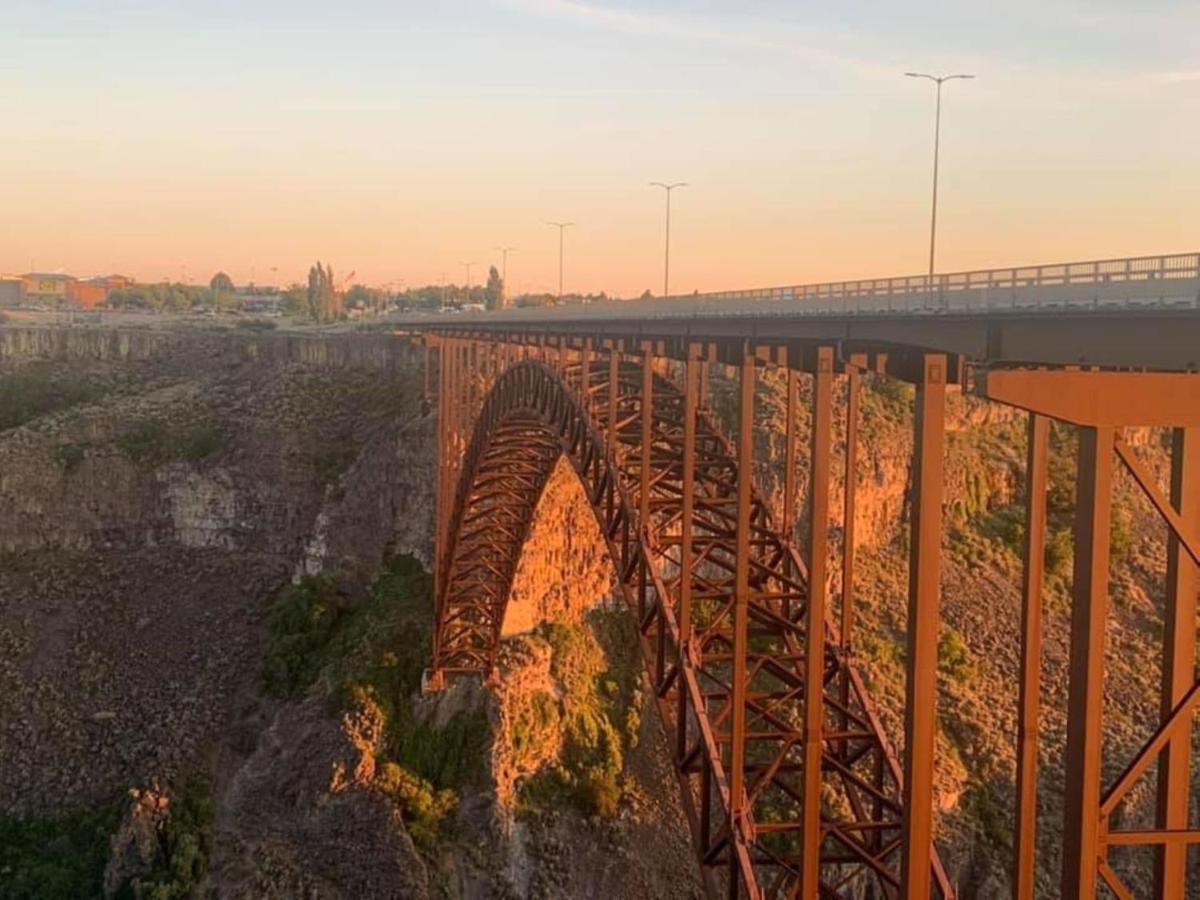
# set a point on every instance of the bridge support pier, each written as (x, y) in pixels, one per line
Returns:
(1025, 842)
(924, 590)
(1179, 655)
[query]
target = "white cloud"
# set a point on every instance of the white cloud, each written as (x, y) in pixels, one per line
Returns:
(747, 33)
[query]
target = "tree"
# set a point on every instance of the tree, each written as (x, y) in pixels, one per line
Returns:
(323, 303)
(493, 294)
(221, 284)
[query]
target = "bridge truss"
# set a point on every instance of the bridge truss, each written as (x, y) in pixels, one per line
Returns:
(790, 791)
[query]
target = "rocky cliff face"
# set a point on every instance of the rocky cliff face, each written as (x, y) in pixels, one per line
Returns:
(156, 490)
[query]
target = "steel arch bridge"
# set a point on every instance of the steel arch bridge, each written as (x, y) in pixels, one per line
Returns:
(723, 621)
(796, 792)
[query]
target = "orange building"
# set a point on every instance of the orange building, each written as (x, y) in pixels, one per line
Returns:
(94, 291)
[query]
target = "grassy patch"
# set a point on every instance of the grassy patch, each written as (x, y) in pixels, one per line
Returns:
(58, 857)
(600, 715)
(256, 325)
(373, 655)
(155, 442)
(38, 390)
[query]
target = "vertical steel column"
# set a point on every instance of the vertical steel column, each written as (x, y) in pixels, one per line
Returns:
(644, 441)
(614, 393)
(690, 403)
(814, 657)
(1025, 842)
(439, 514)
(704, 383)
(585, 375)
(853, 389)
(789, 453)
(425, 381)
(924, 587)
(646, 438)
(1179, 655)
(741, 604)
(1089, 606)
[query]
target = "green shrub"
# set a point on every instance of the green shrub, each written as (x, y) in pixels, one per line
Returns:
(155, 442)
(184, 851)
(600, 715)
(69, 456)
(38, 390)
(256, 325)
(55, 857)
(374, 654)
(425, 808)
(302, 624)
(954, 657)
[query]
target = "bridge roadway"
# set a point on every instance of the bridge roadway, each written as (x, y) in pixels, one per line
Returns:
(1141, 313)
(791, 791)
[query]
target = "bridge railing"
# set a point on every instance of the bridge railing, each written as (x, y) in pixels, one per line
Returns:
(934, 291)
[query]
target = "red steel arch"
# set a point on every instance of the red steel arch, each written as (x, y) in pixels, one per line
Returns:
(730, 679)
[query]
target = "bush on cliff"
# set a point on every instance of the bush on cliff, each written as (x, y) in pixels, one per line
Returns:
(373, 655)
(155, 442)
(55, 857)
(38, 390)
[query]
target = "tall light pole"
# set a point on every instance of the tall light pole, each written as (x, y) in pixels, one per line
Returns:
(939, 80)
(504, 251)
(467, 266)
(667, 254)
(562, 227)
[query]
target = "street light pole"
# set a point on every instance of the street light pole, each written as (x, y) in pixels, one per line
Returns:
(504, 251)
(939, 80)
(467, 266)
(562, 227)
(667, 254)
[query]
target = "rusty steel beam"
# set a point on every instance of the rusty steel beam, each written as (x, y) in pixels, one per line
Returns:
(1025, 841)
(924, 590)
(853, 392)
(1113, 399)
(738, 806)
(687, 507)
(1081, 818)
(814, 654)
(789, 454)
(1179, 663)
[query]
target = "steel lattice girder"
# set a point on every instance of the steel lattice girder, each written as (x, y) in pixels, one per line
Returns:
(531, 416)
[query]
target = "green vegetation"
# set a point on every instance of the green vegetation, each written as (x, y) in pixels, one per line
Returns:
(59, 857)
(257, 325)
(303, 622)
(185, 846)
(37, 390)
(954, 657)
(373, 656)
(63, 857)
(69, 456)
(600, 715)
(155, 442)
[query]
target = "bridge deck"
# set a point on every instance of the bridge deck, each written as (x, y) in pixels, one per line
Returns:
(1139, 313)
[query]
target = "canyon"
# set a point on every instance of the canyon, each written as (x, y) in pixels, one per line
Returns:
(214, 610)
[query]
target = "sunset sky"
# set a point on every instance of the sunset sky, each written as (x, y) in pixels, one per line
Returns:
(398, 139)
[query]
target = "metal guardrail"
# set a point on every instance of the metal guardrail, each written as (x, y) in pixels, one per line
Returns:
(1107, 271)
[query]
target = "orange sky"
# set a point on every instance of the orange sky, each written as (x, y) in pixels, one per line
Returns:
(400, 141)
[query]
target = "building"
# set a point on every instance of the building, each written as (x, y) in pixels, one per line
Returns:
(48, 288)
(94, 292)
(12, 290)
